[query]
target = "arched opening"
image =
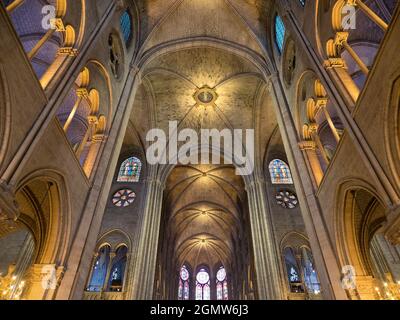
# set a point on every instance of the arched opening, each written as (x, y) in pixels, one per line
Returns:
(299, 268)
(107, 278)
(202, 229)
(349, 35)
(222, 284)
(203, 285)
(317, 123)
(84, 112)
(118, 266)
(99, 269)
(184, 284)
(373, 261)
(37, 238)
(47, 36)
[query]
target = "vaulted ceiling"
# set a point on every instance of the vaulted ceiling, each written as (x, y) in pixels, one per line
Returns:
(204, 205)
(184, 48)
(239, 21)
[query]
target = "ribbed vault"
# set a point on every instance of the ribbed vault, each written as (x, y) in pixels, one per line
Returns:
(204, 208)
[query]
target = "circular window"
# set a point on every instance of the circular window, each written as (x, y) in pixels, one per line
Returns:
(184, 274)
(203, 277)
(123, 198)
(286, 199)
(221, 275)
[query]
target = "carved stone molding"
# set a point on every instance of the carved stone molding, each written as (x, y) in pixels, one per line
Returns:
(9, 210)
(392, 227)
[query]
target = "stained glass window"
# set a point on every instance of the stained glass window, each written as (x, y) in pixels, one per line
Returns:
(130, 170)
(123, 198)
(99, 270)
(310, 274)
(222, 285)
(126, 26)
(203, 285)
(279, 33)
(292, 270)
(117, 271)
(183, 291)
(286, 199)
(280, 172)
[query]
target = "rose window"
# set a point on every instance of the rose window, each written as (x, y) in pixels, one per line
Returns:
(123, 198)
(287, 200)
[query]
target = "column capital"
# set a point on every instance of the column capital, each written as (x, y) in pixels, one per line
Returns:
(333, 63)
(82, 93)
(57, 24)
(313, 127)
(320, 103)
(67, 51)
(341, 37)
(97, 138)
(307, 145)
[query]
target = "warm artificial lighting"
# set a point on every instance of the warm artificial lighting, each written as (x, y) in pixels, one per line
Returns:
(205, 96)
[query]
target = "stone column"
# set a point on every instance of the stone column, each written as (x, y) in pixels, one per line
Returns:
(326, 262)
(109, 271)
(144, 266)
(84, 243)
(309, 148)
(343, 93)
(266, 262)
(94, 149)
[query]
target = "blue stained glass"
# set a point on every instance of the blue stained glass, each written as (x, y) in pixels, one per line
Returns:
(126, 26)
(118, 270)
(280, 172)
(99, 271)
(279, 33)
